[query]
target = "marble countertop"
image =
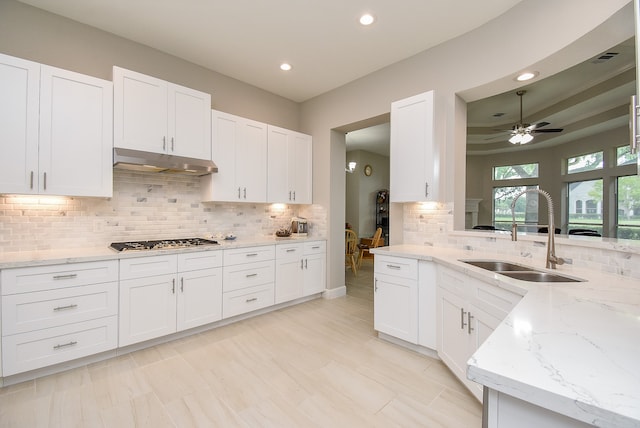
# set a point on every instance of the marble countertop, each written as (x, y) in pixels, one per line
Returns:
(77, 255)
(573, 348)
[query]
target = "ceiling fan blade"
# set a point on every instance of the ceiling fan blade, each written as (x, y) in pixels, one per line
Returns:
(539, 131)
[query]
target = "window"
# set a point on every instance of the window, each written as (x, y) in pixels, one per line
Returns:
(512, 172)
(624, 156)
(628, 207)
(526, 209)
(587, 194)
(582, 163)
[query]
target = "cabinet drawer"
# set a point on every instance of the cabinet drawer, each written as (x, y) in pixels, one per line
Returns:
(141, 267)
(289, 251)
(247, 255)
(315, 247)
(396, 266)
(243, 276)
(38, 278)
(248, 299)
(44, 309)
(197, 261)
(36, 349)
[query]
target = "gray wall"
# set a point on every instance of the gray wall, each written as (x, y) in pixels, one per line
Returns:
(361, 190)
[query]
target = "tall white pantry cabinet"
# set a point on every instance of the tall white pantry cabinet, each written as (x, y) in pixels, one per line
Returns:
(55, 131)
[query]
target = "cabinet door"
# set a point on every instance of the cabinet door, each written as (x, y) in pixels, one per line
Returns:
(300, 168)
(427, 322)
(199, 298)
(395, 303)
(239, 149)
(140, 111)
(453, 335)
(314, 274)
(289, 277)
(251, 161)
(147, 308)
(278, 166)
(414, 168)
(19, 104)
(189, 122)
(75, 134)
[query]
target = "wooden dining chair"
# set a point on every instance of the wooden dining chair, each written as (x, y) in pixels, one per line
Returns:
(375, 242)
(351, 250)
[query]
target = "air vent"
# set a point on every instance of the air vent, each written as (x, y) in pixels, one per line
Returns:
(604, 57)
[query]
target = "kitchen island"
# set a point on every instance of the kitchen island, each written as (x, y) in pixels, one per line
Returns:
(566, 355)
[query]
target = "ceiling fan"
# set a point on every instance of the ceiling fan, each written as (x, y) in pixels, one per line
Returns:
(522, 133)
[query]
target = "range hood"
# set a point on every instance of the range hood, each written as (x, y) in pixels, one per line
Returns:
(138, 160)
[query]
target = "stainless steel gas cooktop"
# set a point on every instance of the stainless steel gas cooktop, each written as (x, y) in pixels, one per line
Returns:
(163, 244)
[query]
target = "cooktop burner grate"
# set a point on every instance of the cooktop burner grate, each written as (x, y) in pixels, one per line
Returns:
(161, 244)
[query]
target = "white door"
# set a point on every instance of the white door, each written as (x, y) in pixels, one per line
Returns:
(19, 104)
(189, 122)
(314, 274)
(278, 166)
(251, 161)
(75, 134)
(199, 298)
(289, 277)
(300, 167)
(395, 303)
(147, 308)
(221, 186)
(140, 111)
(413, 168)
(453, 332)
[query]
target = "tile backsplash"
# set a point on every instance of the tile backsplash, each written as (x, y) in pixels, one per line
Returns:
(432, 225)
(143, 206)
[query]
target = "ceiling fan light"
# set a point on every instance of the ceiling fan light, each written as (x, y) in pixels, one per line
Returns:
(526, 138)
(515, 139)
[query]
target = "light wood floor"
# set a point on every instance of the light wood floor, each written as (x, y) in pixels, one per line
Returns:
(317, 364)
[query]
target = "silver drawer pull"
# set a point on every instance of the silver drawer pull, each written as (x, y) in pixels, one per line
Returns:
(252, 254)
(316, 248)
(65, 345)
(63, 308)
(68, 276)
(249, 275)
(394, 267)
(290, 250)
(252, 299)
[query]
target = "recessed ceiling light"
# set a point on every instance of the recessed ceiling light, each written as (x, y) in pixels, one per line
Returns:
(285, 66)
(367, 19)
(527, 75)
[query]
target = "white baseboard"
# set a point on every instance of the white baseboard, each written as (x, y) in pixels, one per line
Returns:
(332, 293)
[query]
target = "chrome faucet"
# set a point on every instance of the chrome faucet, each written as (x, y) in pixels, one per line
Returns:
(552, 259)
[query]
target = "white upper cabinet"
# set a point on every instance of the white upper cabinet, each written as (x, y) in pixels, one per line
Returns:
(414, 154)
(239, 149)
(55, 131)
(75, 134)
(156, 116)
(19, 110)
(290, 166)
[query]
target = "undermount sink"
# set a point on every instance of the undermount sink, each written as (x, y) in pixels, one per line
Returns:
(523, 273)
(497, 266)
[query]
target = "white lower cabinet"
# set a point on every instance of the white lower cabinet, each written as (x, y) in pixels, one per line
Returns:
(300, 270)
(248, 280)
(184, 292)
(395, 297)
(404, 299)
(53, 314)
(468, 312)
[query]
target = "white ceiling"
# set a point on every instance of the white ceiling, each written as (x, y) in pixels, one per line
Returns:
(248, 39)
